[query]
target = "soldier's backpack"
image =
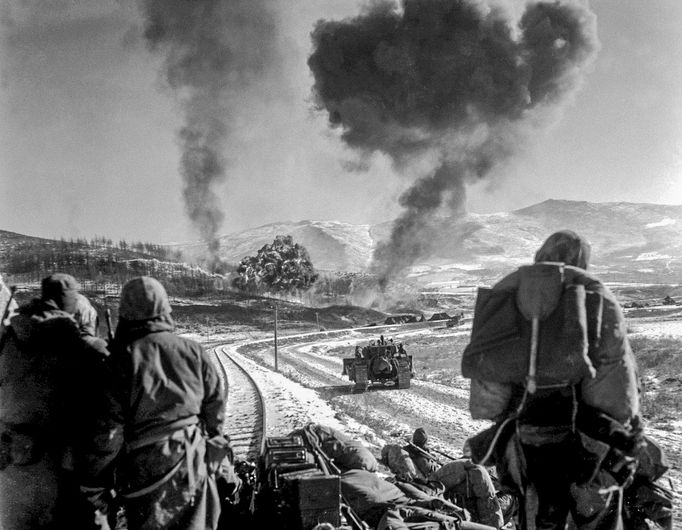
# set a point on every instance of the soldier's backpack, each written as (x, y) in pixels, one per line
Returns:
(583, 332)
(535, 333)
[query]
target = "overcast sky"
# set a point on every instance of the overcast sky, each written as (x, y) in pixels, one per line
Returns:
(88, 129)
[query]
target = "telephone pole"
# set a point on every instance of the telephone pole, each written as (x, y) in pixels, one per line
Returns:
(276, 363)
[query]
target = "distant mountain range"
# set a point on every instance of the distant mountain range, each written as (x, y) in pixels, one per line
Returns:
(630, 241)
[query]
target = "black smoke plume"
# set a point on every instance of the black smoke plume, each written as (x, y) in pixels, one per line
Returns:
(452, 82)
(214, 50)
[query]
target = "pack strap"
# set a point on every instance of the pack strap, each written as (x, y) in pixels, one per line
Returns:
(171, 431)
(192, 439)
(155, 485)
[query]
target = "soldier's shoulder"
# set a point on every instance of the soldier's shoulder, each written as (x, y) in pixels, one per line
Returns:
(34, 320)
(183, 343)
(580, 276)
(508, 283)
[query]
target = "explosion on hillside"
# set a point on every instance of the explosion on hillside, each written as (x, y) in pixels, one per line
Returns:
(454, 86)
(214, 50)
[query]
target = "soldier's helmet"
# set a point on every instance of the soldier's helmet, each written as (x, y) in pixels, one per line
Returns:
(420, 438)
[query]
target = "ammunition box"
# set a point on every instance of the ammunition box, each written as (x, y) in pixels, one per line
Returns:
(287, 453)
(319, 500)
(273, 442)
(288, 457)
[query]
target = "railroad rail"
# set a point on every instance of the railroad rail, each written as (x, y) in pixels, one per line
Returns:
(245, 416)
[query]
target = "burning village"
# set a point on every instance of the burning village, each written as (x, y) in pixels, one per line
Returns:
(321, 265)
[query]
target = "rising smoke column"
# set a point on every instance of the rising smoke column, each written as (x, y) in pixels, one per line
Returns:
(214, 50)
(453, 82)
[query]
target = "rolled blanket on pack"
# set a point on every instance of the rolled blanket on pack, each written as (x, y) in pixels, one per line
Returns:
(472, 486)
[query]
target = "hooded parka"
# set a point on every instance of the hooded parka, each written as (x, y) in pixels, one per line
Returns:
(167, 401)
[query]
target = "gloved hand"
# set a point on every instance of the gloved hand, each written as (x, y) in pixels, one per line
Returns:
(218, 449)
(101, 521)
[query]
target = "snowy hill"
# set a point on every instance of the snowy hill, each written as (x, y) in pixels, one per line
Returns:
(332, 245)
(630, 242)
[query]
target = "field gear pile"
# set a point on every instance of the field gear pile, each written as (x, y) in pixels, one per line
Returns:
(648, 502)
(467, 484)
(387, 506)
(166, 400)
(549, 357)
(345, 452)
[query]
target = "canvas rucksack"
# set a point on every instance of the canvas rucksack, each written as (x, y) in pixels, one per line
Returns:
(538, 333)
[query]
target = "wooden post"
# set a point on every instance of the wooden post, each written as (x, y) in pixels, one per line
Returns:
(276, 360)
(317, 316)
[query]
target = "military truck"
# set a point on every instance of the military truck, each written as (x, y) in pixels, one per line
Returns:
(381, 362)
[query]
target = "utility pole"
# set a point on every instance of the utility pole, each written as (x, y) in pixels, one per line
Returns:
(317, 316)
(276, 363)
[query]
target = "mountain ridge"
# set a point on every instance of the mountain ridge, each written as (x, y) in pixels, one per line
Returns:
(643, 237)
(631, 242)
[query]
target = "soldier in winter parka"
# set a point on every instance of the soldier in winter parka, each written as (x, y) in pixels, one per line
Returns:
(169, 403)
(567, 417)
(39, 349)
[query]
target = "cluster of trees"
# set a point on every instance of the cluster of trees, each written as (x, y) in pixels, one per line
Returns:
(85, 258)
(282, 266)
(153, 250)
(99, 261)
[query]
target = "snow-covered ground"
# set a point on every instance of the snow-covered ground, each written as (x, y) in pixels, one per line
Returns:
(651, 328)
(310, 388)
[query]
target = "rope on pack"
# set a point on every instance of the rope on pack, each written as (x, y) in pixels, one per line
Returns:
(192, 438)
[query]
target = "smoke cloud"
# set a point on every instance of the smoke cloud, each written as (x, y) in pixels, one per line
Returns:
(214, 51)
(453, 82)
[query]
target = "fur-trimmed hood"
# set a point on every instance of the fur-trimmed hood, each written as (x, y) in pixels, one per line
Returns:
(43, 322)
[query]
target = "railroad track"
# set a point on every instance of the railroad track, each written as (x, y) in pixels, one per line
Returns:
(245, 417)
